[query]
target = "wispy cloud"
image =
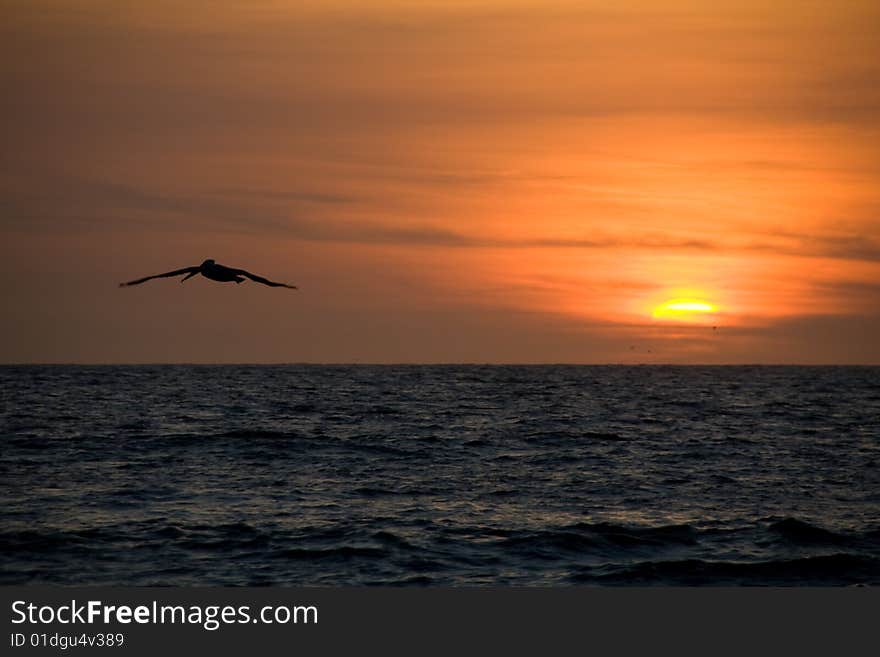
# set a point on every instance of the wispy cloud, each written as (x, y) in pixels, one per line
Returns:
(322, 216)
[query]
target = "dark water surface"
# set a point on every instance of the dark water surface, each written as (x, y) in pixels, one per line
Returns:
(439, 475)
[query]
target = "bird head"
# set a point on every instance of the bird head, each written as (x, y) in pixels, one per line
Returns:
(207, 263)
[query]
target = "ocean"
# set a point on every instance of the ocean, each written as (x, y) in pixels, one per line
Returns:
(439, 475)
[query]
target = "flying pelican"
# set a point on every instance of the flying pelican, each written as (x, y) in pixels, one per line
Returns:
(210, 269)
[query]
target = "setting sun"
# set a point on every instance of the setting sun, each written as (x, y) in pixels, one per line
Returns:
(683, 309)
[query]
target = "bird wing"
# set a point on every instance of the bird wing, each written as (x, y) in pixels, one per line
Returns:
(176, 272)
(264, 281)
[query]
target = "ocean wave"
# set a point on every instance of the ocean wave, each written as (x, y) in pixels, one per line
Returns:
(156, 532)
(571, 437)
(343, 552)
(804, 533)
(599, 538)
(830, 569)
(259, 434)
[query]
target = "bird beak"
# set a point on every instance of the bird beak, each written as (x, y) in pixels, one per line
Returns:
(190, 275)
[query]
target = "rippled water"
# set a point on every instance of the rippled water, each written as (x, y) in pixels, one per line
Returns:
(439, 475)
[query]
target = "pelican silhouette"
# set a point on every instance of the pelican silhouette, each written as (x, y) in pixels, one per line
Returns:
(210, 269)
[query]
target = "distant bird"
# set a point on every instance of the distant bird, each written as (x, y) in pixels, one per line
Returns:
(210, 269)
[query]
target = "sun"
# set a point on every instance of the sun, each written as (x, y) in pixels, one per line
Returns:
(684, 310)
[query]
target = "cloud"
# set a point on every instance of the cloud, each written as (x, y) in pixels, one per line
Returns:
(312, 215)
(60, 200)
(862, 295)
(820, 339)
(358, 210)
(368, 68)
(842, 246)
(846, 247)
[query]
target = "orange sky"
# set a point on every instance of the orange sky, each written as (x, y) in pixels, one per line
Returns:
(499, 181)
